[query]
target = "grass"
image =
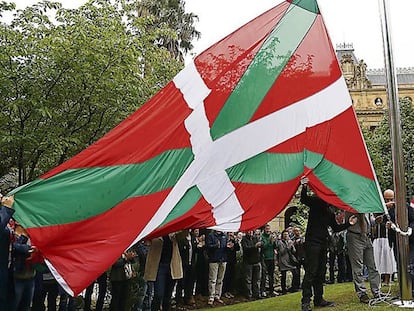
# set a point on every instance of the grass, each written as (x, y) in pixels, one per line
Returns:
(343, 294)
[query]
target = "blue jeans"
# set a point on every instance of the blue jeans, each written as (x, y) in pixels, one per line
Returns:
(146, 296)
(163, 288)
(23, 291)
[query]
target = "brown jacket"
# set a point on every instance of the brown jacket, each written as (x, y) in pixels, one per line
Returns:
(154, 257)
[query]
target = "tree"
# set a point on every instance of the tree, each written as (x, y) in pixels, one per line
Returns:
(172, 14)
(66, 82)
(379, 146)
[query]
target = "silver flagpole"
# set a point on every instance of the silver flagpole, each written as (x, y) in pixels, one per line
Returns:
(397, 158)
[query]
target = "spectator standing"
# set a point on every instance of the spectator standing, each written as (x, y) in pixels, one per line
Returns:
(6, 212)
(163, 267)
(268, 259)
(23, 271)
(229, 275)
(333, 241)
(145, 289)
(361, 253)
(392, 237)
(299, 244)
(120, 279)
(185, 286)
(287, 260)
(201, 264)
(383, 254)
(217, 255)
(102, 285)
(251, 261)
(46, 287)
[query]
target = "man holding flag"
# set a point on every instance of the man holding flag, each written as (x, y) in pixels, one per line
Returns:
(320, 218)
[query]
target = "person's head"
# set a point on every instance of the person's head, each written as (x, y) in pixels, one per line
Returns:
(249, 233)
(339, 216)
(388, 196)
(296, 231)
(267, 229)
(285, 235)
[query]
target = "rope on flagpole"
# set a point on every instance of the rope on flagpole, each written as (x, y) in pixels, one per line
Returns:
(397, 229)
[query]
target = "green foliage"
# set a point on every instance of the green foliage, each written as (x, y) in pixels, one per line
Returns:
(66, 81)
(171, 13)
(301, 217)
(379, 146)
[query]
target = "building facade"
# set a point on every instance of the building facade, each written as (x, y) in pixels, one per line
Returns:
(367, 87)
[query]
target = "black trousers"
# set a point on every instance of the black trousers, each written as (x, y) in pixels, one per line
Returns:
(102, 284)
(269, 271)
(315, 269)
(120, 292)
(185, 286)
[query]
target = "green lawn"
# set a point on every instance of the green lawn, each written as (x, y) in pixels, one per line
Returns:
(343, 295)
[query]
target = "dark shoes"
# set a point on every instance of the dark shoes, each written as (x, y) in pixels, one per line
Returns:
(217, 299)
(190, 301)
(364, 298)
(324, 303)
(306, 306)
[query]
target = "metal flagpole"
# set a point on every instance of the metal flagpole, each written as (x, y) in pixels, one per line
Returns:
(397, 158)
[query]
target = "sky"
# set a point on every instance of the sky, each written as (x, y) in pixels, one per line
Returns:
(347, 21)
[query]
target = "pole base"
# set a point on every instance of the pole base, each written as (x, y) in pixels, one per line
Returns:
(404, 304)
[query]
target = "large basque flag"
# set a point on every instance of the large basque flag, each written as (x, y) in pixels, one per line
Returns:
(223, 145)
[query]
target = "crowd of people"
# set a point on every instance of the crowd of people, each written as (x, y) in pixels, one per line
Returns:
(337, 246)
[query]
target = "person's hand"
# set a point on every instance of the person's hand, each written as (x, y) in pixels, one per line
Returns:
(258, 244)
(129, 255)
(7, 201)
(304, 181)
(33, 249)
(390, 204)
(353, 220)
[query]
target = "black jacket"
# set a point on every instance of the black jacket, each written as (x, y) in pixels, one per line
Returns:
(320, 218)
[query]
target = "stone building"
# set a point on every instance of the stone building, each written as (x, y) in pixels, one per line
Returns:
(367, 87)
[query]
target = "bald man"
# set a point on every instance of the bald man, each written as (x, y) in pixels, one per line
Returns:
(389, 202)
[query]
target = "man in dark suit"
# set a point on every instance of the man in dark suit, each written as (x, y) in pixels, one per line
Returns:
(320, 218)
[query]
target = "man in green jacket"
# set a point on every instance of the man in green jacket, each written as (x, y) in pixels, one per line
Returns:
(268, 260)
